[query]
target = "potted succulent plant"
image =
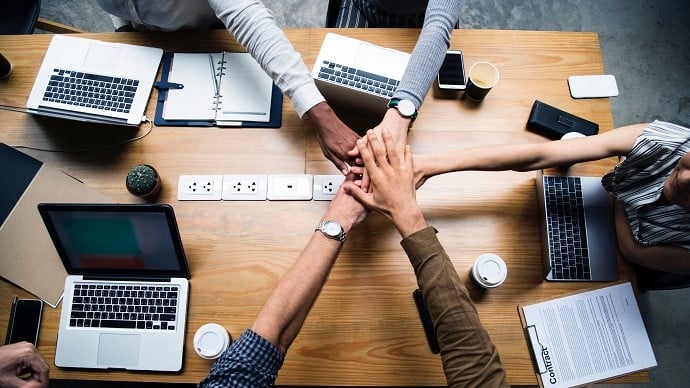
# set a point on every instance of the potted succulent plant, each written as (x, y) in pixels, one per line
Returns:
(143, 181)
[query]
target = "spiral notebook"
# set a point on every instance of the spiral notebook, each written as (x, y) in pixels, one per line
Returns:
(216, 89)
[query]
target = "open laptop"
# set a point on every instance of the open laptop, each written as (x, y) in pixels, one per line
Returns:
(577, 226)
(358, 75)
(125, 300)
(94, 81)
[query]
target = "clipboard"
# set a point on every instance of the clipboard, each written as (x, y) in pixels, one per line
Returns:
(543, 360)
(164, 86)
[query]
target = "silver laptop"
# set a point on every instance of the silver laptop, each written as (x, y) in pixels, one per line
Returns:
(358, 75)
(94, 81)
(577, 226)
(126, 293)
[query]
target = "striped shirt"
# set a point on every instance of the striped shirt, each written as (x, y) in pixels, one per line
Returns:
(638, 182)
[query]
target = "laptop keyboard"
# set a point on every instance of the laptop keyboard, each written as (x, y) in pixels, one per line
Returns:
(358, 79)
(110, 94)
(128, 306)
(566, 228)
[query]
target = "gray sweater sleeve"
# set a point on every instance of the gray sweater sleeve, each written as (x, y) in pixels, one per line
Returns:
(427, 56)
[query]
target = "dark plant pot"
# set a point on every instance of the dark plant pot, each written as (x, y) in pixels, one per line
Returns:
(143, 181)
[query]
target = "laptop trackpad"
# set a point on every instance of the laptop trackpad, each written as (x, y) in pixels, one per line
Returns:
(118, 350)
(101, 59)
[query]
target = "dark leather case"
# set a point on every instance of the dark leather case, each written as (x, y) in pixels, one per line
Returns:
(553, 123)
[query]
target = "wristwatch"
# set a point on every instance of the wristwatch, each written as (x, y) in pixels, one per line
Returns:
(332, 229)
(405, 107)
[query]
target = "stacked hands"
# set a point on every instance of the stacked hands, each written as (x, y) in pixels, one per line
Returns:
(386, 184)
(338, 142)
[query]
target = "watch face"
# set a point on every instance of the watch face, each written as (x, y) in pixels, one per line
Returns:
(406, 107)
(332, 228)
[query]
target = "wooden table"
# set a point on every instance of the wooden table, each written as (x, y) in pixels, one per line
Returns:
(364, 329)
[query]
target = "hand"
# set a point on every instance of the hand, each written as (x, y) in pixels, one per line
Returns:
(391, 192)
(335, 138)
(345, 209)
(420, 174)
(21, 359)
(398, 126)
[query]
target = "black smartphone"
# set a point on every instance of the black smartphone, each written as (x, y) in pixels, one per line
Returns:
(25, 319)
(451, 76)
(427, 324)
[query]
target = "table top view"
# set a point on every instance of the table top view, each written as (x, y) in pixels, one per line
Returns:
(364, 328)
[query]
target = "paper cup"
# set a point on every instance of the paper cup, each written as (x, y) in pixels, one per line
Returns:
(489, 270)
(5, 67)
(571, 135)
(482, 77)
(211, 340)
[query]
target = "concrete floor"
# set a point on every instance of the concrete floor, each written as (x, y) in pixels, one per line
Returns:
(644, 44)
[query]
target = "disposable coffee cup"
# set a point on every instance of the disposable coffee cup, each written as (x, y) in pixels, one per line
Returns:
(482, 77)
(489, 270)
(5, 67)
(211, 340)
(571, 135)
(567, 136)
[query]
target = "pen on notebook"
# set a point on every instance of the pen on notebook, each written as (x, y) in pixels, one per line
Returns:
(213, 73)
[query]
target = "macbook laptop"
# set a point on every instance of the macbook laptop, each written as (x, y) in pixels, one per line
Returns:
(578, 232)
(125, 301)
(94, 81)
(358, 75)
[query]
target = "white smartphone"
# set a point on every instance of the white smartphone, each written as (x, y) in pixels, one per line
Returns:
(592, 86)
(451, 75)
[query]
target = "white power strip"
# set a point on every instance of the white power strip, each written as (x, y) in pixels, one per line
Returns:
(290, 187)
(199, 187)
(244, 187)
(326, 186)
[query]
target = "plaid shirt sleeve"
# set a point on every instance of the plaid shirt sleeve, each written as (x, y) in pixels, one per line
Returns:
(251, 361)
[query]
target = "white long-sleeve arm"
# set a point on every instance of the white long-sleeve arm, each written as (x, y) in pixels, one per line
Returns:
(255, 28)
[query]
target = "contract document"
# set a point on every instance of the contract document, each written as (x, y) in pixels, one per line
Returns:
(587, 337)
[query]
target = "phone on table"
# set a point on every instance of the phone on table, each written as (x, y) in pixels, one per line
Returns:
(451, 75)
(25, 320)
(427, 324)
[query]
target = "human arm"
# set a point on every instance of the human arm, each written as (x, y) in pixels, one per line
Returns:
(19, 359)
(256, 357)
(659, 257)
(255, 28)
(469, 357)
(530, 156)
(334, 136)
(283, 314)
(427, 56)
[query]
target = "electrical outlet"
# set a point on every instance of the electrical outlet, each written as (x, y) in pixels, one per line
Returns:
(325, 186)
(199, 187)
(289, 187)
(244, 187)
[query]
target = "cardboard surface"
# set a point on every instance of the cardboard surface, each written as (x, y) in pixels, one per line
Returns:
(28, 257)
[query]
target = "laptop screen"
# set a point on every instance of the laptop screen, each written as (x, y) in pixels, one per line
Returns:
(116, 239)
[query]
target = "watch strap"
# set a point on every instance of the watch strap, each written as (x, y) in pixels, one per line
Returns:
(339, 237)
(393, 103)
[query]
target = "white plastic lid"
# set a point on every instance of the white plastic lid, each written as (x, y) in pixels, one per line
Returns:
(489, 270)
(211, 340)
(572, 135)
